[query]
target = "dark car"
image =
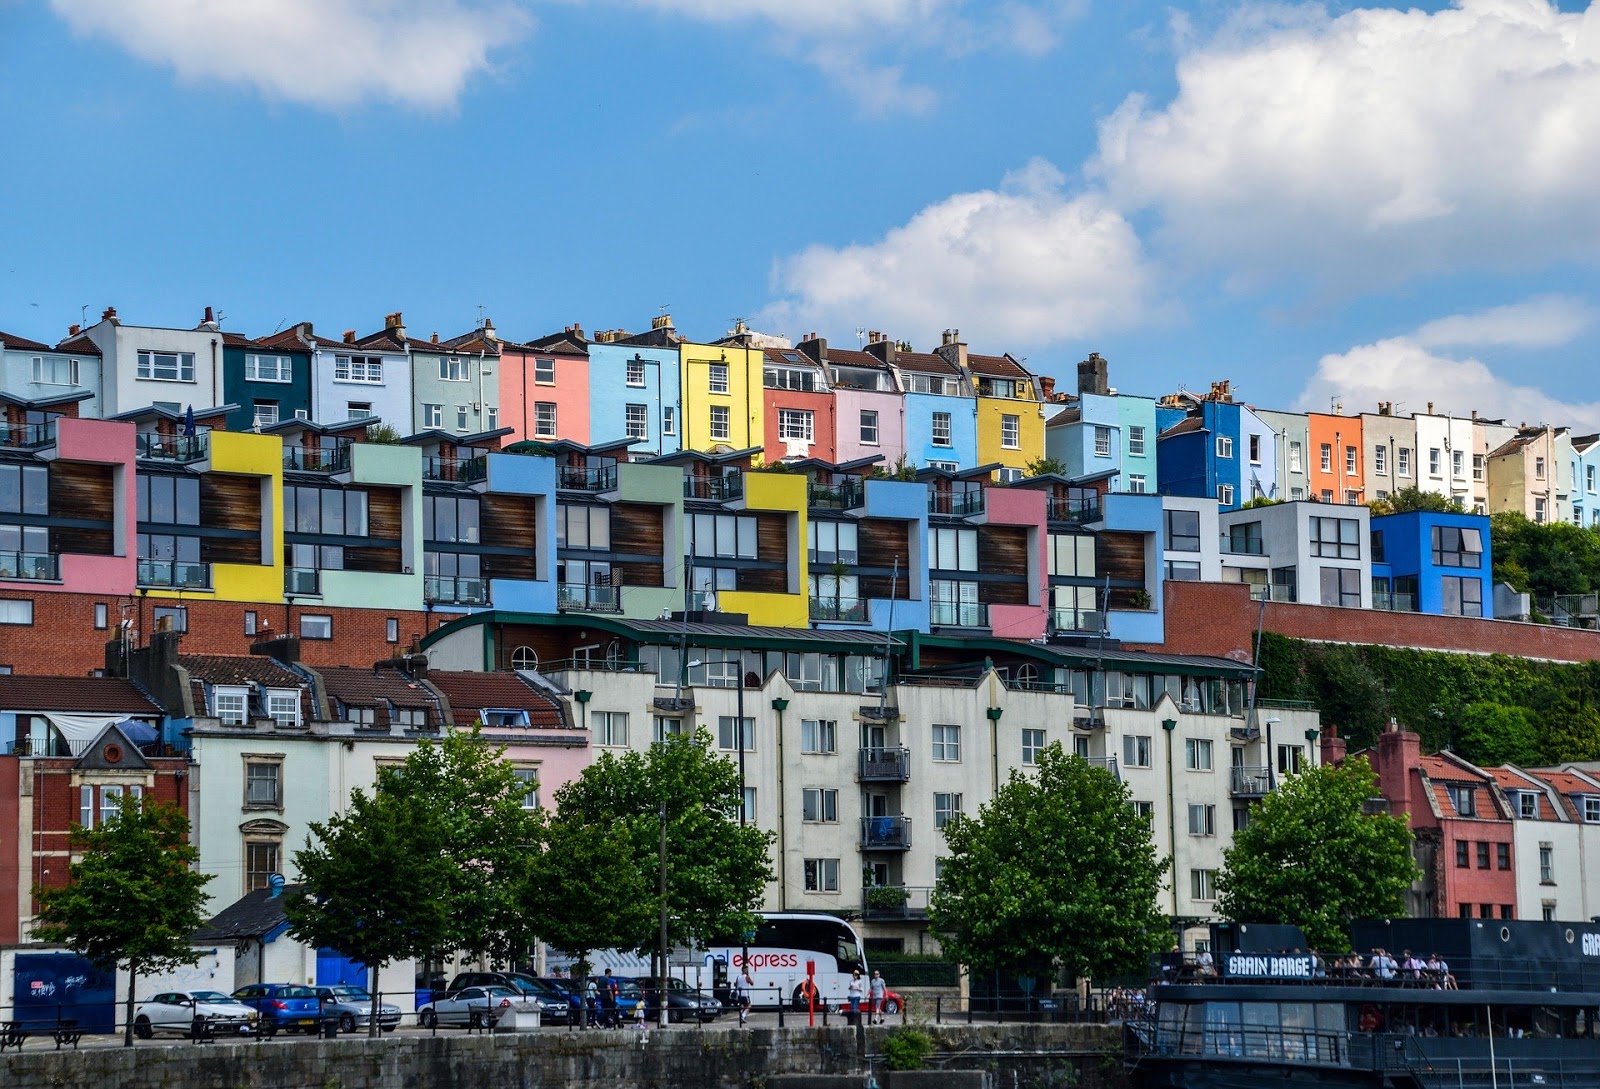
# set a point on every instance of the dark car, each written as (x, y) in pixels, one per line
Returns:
(557, 1009)
(684, 1003)
(289, 1007)
(565, 985)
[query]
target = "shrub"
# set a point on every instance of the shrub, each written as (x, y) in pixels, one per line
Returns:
(907, 1049)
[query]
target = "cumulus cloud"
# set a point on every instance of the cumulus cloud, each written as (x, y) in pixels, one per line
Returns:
(1369, 147)
(1412, 370)
(323, 53)
(1025, 263)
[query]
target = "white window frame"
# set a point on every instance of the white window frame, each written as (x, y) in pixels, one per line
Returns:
(1197, 754)
(869, 427)
(1224, 446)
(796, 425)
(1139, 484)
(544, 419)
(1225, 494)
(1380, 459)
(358, 410)
(316, 626)
(941, 427)
(1202, 885)
(819, 805)
(181, 366)
(1102, 442)
(40, 370)
(946, 743)
(819, 736)
(669, 419)
(1034, 741)
(1137, 750)
(1010, 432)
(1435, 461)
(721, 423)
(717, 378)
(358, 368)
(1351, 460)
(635, 373)
(230, 704)
(1402, 461)
(946, 807)
(432, 415)
(462, 422)
(636, 421)
(282, 369)
(821, 874)
(544, 372)
(283, 706)
(1202, 819)
(1326, 455)
(609, 728)
(1136, 441)
(728, 738)
(453, 368)
(264, 413)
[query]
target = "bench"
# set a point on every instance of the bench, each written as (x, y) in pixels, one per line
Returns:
(67, 1031)
(12, 1034)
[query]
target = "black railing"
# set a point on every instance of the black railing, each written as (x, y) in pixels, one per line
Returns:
(443, 590)
(150, 446)
(887, 765)
(844, 610)
(1021, 1008)
(1238, 1041)
(1083, 509)
(584, 598)
(173, 573)
(886, 833)
(884, 902)
(1065, 621)
(317, 459)
(587, 478)
(32, 566)
(715, 489)
(958, 614)
(29, 436)
(839, 495)
(956, 504)
(465, 470)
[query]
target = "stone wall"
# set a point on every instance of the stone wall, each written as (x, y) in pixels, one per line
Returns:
(679, 1059)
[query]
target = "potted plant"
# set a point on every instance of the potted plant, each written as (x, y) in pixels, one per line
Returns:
(1139, 599)
(886, 897)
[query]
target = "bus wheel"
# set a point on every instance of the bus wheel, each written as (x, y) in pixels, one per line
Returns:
(800, 1003)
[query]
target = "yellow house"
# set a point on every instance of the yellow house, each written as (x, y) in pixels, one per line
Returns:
(1010, 412)
(775, 496)
(721, 396)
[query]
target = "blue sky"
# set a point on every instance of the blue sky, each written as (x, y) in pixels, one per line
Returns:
(1320, 203)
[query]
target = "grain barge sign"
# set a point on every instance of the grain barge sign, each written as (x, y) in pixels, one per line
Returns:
(1267, 965)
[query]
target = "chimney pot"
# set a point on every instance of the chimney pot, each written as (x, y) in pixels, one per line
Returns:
(1430, 408)
(349, 336)
(210, 315)
(73, 330)
(435, 338)
(109, 314)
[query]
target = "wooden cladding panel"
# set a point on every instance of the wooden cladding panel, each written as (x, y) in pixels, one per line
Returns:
(1120, 557)
(380, 561)
(383, 514)
(549, 644)
(523, 565)
(233, 501)
(764, 582)
(510, 521)
(881, 542)
(772, 537)
(76, 489)
(1003, 550)
(639, 528)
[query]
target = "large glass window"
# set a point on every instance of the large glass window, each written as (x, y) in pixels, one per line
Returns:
(1462, 595)
(358, 368)
(1183, 531)
(165, 499)
(831, 542)
(952, 549)
(1341, 586)
(583, 526)
(946, 743)
(337, 512)
(167, 366)
(1457, 546)
(1072, 555)
(796, 425)
(268, 368)
(727, 536)
(1336, 538)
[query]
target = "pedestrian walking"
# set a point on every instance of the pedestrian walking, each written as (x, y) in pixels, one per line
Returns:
(591, 1003)
(856, 992)
(741, 992)
(878, 990)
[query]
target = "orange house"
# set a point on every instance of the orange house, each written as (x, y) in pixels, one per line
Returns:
(1337, 468)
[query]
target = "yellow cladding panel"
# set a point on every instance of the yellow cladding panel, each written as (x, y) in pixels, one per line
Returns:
(991, 429)
(743, 400)
(768, 610)
(776, 491)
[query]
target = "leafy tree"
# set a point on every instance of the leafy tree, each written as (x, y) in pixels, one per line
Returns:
(1259, 501)
(1311, 856)
(1413, 498)
(1057, 865)
(1350, 693)
(1046, 467)
(608, 825)
(1489, 734)
(133, 897)
(1544, 560)
(367, 884)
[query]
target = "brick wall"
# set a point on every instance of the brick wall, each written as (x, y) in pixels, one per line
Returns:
(64, 641)
(1219, 618)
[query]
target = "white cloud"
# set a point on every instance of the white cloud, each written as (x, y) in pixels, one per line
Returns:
(323, 53)
(1409, 370)
(1546, 322)
(1365, 148)
(1023, 264)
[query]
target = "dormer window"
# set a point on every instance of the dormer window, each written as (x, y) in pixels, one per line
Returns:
(1591, 809)
(1527, 805)
(231, 704)
(363, 717)
(283, 706)
(504, 718)
(1465, 800)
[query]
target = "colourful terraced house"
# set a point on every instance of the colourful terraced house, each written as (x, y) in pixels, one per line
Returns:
(867, 406)
(636, 389)
(721, 397)
(1010, 413)
(545, 386)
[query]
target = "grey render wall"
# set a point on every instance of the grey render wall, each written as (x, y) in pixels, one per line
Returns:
(681, 1059)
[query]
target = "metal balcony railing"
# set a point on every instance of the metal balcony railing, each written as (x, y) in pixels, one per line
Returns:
(1086, 621)
(959, 504)
(33, 566)
(1242, 547)
(895, 901)
(886, 833)
(587, 478)
(583, 598)
(1106, 763)
(1250, 781)
(317, 459)
(1392, 602)
(715, 489)
(466, 470)
(885, 765)
(176, 448)
(839, 495)
(1082, 509)
(302, 581)
(443, 590)
(958, 614)
(28, 436)
(843, 610)
(176, 573)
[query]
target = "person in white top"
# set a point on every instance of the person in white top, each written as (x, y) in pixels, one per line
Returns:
(741, 990)
(856, 991)
(879, 991)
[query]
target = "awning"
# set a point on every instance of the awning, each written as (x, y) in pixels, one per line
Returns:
(79, 730)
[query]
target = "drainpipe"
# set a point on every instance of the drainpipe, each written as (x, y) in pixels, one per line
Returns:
(1168, 726)
(994, 714)
(780, 705)
(216, 394)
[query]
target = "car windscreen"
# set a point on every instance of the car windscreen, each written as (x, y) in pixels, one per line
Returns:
(296, 992)
(349, 994)
(209, 996)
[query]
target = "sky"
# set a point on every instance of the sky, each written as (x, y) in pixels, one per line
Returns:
(1323, 204)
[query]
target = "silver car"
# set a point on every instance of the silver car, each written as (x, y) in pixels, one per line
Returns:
(353, 1007)
(475, 1007)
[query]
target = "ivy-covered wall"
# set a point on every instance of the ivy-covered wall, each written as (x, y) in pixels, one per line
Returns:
(1492, 709)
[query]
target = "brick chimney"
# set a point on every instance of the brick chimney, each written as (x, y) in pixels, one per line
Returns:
(488, 330)
(396, 324)
(663, 321)
(1094, 375)
(1399, 753)
(952, 349)
(1334, 748)
(880, 347)
(74, 330)
(349, 336)
(280, 648)
(814, 348)
(109, 314)
(1047, 386)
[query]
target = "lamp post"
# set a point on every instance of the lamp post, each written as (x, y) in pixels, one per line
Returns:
(661, 1011)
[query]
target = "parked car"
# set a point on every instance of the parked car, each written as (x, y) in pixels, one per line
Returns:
(571, 989)
(476, 1007)
(353, 1007)
(684, 1003)
(557, 1009)
(175, 1011)
(289, 1007)
(628, 993)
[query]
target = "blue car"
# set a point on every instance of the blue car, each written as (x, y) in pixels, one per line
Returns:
(286, 1007)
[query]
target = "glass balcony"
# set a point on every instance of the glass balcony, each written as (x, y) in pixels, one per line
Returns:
(34, 566)
(1250, 781)
(1083, 509)
(1076, 621)
(845, 494)
(886, 833)
(588, 478)
(442, 590)
(890, 765)
(715, 489)
(319, 459)
(175, 573)
(895, 901)
(28, 436)
(580, 597)
(1391, 601)
(174, 448)
(956, 504)
(302, 581)
(468, 470)
(843, 610)
(1108, 763)
(958, 614)
(1242, 547)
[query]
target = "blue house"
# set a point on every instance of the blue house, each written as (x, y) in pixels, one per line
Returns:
(1431, 562)
(941, 411)
(633, 370)
(1213, 448)
(268, 379)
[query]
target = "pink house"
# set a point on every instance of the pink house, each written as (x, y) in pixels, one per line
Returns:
(539, 738)
(1019, 515)
(544, 387)
(868, 410)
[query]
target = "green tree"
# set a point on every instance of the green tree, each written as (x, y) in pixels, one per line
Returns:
(1350, 693)
(1046, 467)
(1493, 733)
(1413, 498)
(367, 875)
(133, 898)
(1312, 856)
(609, 819)
(1544, 560)
(1057, 865)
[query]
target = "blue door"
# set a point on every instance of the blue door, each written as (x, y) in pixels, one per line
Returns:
(333, 968)
(51, 987)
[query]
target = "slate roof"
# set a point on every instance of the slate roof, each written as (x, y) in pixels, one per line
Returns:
(378, 688)
(79, 345)
(998, 366)
(254, 915)
(469, 693)
(11, 340)
(236, 340)
(75, 695)
(850, 358)
(1184, 427)
(289, 340)
(566, 341)
(926, 363)
(244, 670)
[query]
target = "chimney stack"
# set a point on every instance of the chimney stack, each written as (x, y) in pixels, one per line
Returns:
(73, 330)
(488, 330)
(435, 338)
(109, 314)
(664, 321)
(814, 348)
(1430, 408)
(1047, 386)
(395, 324)
(1333, 746)
(1094, 375)
(349, 336)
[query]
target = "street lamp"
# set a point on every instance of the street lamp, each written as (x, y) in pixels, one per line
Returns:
(661, 1012)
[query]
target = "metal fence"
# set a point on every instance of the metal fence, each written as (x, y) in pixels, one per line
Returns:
(1060, 1009)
